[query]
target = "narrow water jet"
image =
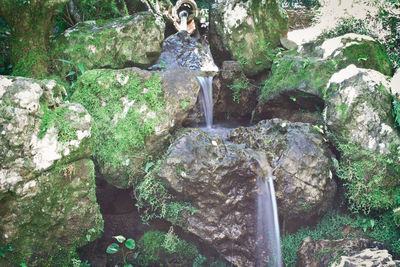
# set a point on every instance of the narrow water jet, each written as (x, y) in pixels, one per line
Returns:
(205, 99)
(268, 237)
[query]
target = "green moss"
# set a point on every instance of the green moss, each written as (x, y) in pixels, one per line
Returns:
(113, 139)
(370, 55)
(296, 73)
(343, 110)
(183, 104)
(57, 117)
(41, 242)
(152, 249)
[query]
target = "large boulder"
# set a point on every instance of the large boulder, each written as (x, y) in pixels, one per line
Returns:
(129, 41)
(358, 108)
(302, 163)
(324, 252)
(360, 50)
(247, 31)
(220, 181)
(182, 50)
(47, 187)
(368, 257)
(358, 114)
(134, 113)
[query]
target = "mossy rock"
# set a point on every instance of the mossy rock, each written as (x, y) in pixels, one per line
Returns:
(133, 112)
(247, 31)
(48, 217)
(360, 50)
(117, 43)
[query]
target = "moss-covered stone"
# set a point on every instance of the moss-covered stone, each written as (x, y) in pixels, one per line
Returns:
(134, 112)
(247, 31)
(360, 50)
(117, 43)
(50, 215)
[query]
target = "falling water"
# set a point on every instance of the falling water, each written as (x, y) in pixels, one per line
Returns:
(205, 99)
(268, 239)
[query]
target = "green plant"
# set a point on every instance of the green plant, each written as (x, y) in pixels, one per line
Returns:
(237, 87)
(396, 112)
(199, 260)
(128, 244)
(296, 3)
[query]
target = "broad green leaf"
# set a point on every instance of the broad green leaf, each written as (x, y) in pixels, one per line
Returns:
(130, 243)
(70, 74)
(148, 166)
(128, 265)
(65, 61)
(9, 247)
(112, 248)
(81, 68)
(120, 238)
(23, 265)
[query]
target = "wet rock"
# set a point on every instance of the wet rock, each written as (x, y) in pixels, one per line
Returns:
(368, 257)
(324, 252)
(395, 84)
(182, 50)
(220, 181)
(46, 176)
(247, 31)
(134, 113)
(129, 41)
(358, 109)
(302, 163)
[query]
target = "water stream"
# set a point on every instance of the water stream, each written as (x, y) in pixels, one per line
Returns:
(267, 235)
(205, 99)
(268, 238)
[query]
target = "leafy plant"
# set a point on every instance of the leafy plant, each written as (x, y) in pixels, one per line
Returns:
(128, 244)
(237, 87)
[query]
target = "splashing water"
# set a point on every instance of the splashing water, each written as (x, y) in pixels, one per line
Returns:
(268, 238)
(205, 99)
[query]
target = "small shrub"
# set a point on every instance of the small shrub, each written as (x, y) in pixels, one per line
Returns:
(237, 87)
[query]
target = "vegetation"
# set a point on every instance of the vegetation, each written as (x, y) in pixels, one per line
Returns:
(237, 87)
(378, 227)
(156, 247)
(300, 3)
(128, 243)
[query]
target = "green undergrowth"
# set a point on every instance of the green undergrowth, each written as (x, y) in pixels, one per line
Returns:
(154, 200)
(380, 228)
(115, 134)
(237, 88)
(156, 247)
(371, 180)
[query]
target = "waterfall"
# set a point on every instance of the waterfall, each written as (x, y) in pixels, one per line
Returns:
(205, 99)
(268, 238)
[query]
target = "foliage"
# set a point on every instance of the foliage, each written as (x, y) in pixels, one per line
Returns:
(386, 19)
(5, 64)
(300, 3)
(380, 227)
(154, 200)
(172, 249)
(128, 243)
(370, 178)
(396, 112)
(237, 87)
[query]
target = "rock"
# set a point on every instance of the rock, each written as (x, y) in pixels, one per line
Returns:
(46, 176)
(134, 113)
(129, 41)
(182, 50)
(358, 109)
(360, 50)
(395, 85)
(324, 252)
(247, 31)
(220, 181)
(134, 6)
(368, 257)
(288, 44)
(302, 163)
(295, 89)
(358, 114)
